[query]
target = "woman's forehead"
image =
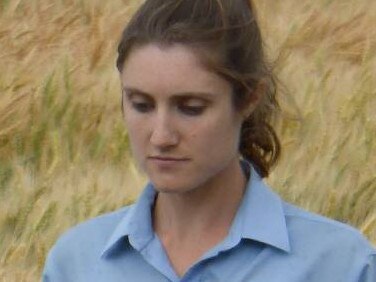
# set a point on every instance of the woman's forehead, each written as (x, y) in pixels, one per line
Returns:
(173, 69)
(173, 55)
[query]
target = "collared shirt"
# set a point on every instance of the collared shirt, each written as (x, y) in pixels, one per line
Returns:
(269, 241)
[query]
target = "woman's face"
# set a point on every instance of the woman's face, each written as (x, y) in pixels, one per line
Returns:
(183, 128)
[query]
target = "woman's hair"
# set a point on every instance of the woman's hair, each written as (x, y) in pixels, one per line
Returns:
(226, 36)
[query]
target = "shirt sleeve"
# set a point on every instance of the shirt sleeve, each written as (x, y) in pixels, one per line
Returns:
(48, 271)
(52, 271)
(369, 271)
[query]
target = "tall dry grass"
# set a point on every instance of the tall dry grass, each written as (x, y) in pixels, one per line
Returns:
(64, 150)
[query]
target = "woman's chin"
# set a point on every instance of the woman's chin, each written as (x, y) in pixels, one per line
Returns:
(170, 186)
(164, 188)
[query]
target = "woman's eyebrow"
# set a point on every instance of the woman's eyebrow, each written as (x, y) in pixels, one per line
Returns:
(194, 95)
(130, 91)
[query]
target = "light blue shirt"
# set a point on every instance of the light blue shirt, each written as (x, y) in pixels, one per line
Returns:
(269, 241)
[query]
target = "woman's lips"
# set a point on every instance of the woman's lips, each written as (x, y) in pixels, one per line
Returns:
(167, 161)
(168, 158)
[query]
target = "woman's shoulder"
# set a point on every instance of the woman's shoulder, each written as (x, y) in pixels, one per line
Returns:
(322, 234)
(77, 250)
(92, 233)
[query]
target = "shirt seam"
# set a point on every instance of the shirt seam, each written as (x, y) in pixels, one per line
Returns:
(341, 226)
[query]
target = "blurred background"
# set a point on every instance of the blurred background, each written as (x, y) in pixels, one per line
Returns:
(64, 153)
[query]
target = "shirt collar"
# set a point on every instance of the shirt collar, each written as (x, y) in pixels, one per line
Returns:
(136, 224)
(260, 217)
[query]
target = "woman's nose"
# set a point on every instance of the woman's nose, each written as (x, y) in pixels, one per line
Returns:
(163, 132)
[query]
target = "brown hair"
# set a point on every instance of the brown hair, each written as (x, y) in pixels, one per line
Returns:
(226, 35)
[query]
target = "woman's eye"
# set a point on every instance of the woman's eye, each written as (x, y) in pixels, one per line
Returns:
(192, 110)
(142, 107)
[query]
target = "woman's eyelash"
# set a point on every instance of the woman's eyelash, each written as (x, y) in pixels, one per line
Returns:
(192, 110)
(142, 107)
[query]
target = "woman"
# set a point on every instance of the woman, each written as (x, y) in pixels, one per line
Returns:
(197, 101)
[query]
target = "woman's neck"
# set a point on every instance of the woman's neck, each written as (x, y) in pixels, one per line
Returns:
(204, 211)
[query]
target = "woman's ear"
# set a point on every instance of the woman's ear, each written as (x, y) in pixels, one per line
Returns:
(254, 98)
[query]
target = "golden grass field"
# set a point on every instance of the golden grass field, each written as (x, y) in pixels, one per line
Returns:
(63, 146)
